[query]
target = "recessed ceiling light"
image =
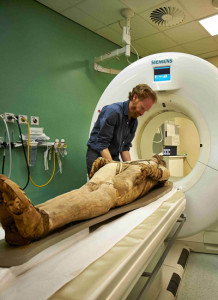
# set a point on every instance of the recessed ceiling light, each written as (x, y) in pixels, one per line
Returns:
(210, 24)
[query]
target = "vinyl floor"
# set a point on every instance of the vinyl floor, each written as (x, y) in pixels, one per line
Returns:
(200, 279)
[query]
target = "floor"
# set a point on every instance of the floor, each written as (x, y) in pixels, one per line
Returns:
(200, 280)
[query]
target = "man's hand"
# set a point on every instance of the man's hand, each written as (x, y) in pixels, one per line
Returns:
(125, 156)
(106, 154)
(97, 164)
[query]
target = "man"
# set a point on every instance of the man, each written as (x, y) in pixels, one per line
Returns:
(116, 125)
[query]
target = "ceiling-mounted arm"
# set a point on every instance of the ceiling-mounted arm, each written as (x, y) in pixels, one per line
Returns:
(127, 13)
(106, 56)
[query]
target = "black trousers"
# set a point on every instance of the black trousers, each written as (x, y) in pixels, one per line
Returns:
(92, 155)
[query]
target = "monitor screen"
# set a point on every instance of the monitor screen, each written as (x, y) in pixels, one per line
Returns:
(162, 73)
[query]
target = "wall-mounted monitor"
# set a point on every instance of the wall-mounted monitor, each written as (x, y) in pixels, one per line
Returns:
(162, 73)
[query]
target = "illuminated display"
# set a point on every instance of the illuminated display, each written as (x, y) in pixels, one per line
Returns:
(161, 73)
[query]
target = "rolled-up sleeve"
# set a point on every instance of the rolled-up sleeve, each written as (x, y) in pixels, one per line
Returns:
(108, 122)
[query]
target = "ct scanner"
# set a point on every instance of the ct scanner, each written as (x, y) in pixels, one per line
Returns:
(190, 91)
(108, 262)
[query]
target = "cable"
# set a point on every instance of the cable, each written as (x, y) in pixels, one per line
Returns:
(3, 162)
(136, 54)
(207, 165)
(24, 151)
(4, 144)
(135, 51)
(157, 142)
(51, 175)
(188, 163)
(129, 62)
(201, 163)
(121, 26)
(9, 145)
(28, 159)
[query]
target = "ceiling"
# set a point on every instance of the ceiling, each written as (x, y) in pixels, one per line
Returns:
(104, 18)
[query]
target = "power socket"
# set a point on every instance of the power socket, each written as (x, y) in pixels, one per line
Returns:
(9, 117)
(21, 120)
(34, 120)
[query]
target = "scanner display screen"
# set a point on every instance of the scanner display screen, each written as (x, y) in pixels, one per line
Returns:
(161, 73)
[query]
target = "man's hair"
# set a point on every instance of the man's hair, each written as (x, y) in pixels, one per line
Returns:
(143, 91)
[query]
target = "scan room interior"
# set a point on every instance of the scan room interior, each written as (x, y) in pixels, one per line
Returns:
(62, 62)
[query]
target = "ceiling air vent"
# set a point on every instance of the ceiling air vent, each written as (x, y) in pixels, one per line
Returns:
(167, 16)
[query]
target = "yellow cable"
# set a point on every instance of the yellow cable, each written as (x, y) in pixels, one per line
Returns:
(28, 158)
(51, 175)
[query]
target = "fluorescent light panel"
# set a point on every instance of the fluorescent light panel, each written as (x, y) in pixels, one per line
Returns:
(210, 24)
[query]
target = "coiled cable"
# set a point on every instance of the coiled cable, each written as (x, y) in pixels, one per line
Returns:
(24, 151)
(9, 146)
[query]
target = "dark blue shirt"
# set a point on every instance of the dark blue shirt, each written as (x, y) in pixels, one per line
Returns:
(113, 129)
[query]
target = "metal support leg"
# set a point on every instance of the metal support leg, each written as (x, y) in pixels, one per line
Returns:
(153, 274)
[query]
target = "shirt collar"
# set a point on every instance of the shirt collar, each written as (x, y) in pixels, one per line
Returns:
(126, 108)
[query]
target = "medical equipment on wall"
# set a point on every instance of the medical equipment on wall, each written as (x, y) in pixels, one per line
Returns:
(34, 139)
(159, 131)
(33, 153)
(171, 138)
(60, 150)
(186, 86)
(41, 137)
(36, 135)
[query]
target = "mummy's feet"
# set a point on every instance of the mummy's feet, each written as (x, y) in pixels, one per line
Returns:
(25, 220)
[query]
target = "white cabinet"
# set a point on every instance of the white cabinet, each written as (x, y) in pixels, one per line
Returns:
(175, 164)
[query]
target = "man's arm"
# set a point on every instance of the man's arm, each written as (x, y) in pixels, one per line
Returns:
(106, 131)
(105, 153)
(125, 156)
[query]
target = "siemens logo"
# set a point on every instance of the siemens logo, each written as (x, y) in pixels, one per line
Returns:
(163, 61)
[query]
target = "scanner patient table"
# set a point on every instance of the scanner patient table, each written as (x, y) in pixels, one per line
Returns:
(104, 263)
